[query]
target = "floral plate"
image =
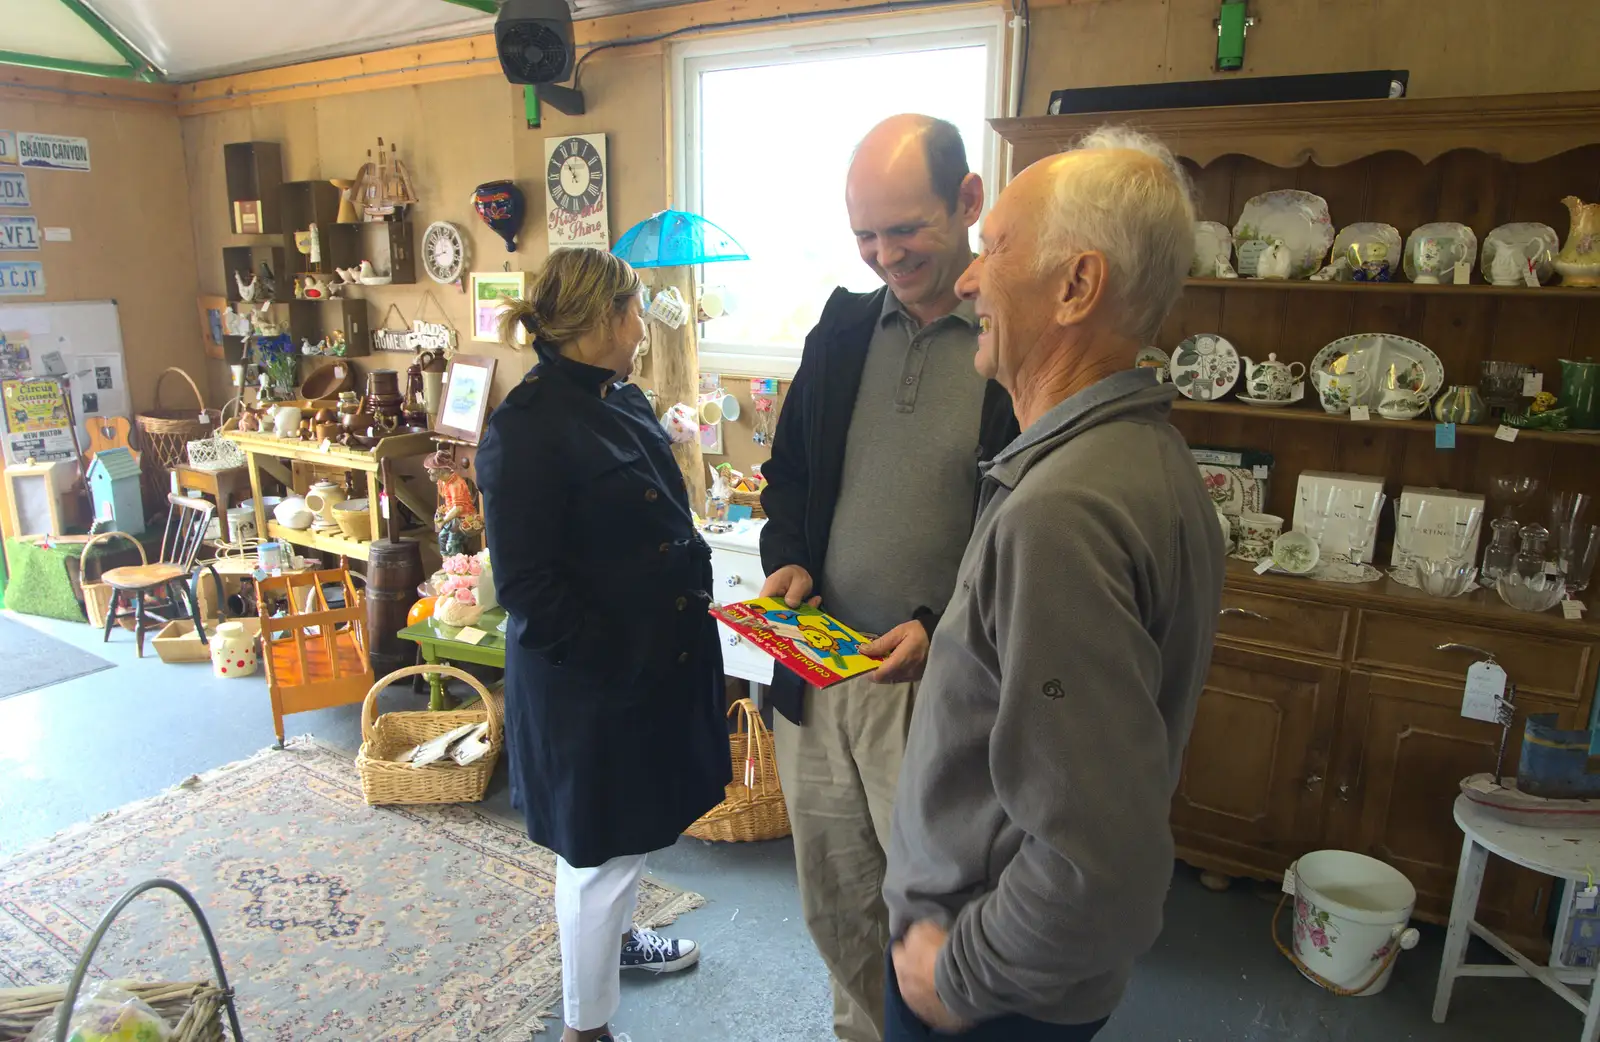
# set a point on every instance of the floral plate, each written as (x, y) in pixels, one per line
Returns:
(1204, 367)
(1389, 361)
(1296, 219)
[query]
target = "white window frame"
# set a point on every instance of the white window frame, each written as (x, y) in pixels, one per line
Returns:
(860, 36)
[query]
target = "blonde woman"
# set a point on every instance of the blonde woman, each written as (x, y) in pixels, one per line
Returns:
(614, 700)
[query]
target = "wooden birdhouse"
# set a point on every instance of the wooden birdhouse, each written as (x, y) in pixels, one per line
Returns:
(114, 486)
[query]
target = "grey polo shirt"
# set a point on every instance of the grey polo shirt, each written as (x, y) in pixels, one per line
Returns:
(910, 473)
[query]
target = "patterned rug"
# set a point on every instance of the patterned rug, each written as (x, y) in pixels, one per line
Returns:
(337, 921)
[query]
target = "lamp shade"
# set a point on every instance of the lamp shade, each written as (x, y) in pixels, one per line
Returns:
(672, 238)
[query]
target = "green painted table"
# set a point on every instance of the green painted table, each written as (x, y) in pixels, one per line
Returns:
(441, 643)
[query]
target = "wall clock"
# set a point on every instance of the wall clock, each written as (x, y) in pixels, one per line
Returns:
(577, 190)
(444, 252)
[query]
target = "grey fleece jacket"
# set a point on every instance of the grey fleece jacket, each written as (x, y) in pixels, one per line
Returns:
(1031, 818)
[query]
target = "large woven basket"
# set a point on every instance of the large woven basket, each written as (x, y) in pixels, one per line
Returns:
(165, 432)
(752, 808)
(97, 595)
(749, 499)
(384, 737)
(194, 1008)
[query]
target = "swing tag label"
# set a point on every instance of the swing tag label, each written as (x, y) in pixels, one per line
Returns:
(1486, 687)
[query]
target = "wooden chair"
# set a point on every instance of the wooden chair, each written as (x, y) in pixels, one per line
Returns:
(167, 580)
(316, 655)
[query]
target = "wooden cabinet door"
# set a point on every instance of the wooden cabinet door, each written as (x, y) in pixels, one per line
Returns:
(1403, 749)
(1251, 794)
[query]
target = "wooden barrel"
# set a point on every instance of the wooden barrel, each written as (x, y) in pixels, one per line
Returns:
(394, 570)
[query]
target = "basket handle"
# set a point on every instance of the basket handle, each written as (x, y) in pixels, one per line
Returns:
(369, 707)
(760, 737)
(83, 558)
(198, 397)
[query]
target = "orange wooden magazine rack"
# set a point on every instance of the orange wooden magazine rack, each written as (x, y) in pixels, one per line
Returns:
(315, 655)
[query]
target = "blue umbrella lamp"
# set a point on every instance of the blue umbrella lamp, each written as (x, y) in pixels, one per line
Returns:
(679, 242)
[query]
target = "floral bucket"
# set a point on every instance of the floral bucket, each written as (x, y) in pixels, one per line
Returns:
(1350, 916)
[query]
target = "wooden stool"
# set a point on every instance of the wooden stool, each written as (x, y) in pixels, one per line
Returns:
(1570, 854)
(227, 487)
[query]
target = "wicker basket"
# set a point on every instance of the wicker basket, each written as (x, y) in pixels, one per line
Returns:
(753, 807)
(165, 434)
(97, 595)
(384, 737)
(749, 499)
(193, 1008)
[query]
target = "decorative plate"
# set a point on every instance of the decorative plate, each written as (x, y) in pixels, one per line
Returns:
(1213, 243)
(1364, 235)
(1204, 367)
(1390, 362)
(1466, 249)
(1153, 358)
(1296, 219)
(1531, 239)
(444, 254)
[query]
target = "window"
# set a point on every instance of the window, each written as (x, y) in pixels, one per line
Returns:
(766, 127)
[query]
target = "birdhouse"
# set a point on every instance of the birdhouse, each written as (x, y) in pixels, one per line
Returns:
(114, 486)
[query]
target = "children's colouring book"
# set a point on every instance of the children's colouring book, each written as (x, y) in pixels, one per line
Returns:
(812, 643)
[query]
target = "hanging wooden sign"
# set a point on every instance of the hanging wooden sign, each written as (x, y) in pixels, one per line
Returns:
(392, 338)
(432, 336)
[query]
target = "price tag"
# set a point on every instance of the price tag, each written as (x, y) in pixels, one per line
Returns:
(205, 419)
(1532, 384)
(1504, 433)
(1263, 566)
(1298, 392)
(1463, 273)
(1261, 471)
(1360, 413)
(1530, 276)
(1572, 610)
(1585, 901)
(1486, 686)
(1288, 881)
(327, 443)
(1444, 435)
(471, 635)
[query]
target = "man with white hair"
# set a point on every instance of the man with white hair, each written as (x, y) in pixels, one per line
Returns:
(1031, 854)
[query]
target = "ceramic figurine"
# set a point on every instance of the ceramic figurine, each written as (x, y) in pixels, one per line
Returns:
(456, 518)
(501, 206)
(1369, 262)
(370, 277)
(1225, 269)
(247, 290)
(1579, 259)
(1275, 262)
(314, 288)
(286, 421)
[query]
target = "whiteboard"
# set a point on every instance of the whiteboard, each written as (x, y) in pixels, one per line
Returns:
(81, 340)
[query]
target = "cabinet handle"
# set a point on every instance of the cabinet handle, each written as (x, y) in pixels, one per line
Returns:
(1473, 649)
(1344, 792)
(1245, 613)
(733, 580)
(1313, 781)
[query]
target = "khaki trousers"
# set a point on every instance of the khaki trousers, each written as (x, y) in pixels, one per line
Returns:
(839, 771)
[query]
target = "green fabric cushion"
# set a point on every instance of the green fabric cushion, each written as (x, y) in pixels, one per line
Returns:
(38, 582)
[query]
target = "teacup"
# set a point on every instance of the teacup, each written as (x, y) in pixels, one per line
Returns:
(1257, 532)
(1339, 391)
(1436, 257)
(1401, 404)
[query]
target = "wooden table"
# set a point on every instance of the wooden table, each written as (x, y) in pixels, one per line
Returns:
(369, 462)
(223, 486)
(441, 643)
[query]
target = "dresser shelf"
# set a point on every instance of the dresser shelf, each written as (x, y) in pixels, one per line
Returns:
(1406, 289)
(1309, 412)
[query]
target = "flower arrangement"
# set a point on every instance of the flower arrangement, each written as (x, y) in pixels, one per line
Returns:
(462, 594)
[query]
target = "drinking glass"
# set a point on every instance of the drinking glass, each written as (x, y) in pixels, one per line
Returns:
(1501, 553)
(1568, 514)
(1577, 557)
(1363, 524)
(1318, 504)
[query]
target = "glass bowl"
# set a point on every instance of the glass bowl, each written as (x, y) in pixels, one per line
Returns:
(1541, 593)
(1444, 577)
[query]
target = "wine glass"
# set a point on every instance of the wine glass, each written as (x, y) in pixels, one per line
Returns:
(1363, 525)
(1514, 491)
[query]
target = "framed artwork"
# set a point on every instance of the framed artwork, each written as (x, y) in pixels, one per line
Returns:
(468, 382)
(489, 291)
(212, 324)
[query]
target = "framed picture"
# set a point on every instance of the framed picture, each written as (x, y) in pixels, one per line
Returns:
(489, 291)
(212, 310)
(468, 382)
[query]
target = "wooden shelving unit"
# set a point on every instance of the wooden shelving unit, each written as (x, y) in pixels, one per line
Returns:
(1329, 718)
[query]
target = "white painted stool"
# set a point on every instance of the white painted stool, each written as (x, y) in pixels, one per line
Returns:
(1568, 854)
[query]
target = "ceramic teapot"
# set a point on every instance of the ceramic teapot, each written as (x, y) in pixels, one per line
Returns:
(233, 650)
(293, 513)
(1579, 259)
(1271, 380)
(1339, 391)
(1274, 262)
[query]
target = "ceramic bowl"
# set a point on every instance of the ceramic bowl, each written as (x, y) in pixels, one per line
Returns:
(1444, 577)
(1296, 553)
(1539, 594)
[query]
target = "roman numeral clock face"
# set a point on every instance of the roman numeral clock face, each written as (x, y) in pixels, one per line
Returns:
(576, 177)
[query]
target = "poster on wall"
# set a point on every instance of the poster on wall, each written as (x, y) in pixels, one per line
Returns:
(21, 279)
(490, 291)
(576, 192)
(97, 382)
(53, 151)
(19, 233)
(37, 426)
(14, 189)
(16, 355)
(8, 147)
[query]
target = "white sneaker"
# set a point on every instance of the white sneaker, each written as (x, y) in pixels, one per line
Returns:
(648, 950)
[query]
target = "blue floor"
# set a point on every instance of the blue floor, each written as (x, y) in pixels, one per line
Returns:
(90, 744)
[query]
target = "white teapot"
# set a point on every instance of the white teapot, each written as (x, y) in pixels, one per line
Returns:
(1271, 380)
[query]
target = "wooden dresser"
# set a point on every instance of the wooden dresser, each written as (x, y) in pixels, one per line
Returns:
(1331, 716)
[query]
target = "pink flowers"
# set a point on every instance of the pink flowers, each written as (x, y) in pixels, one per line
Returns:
(1319, 937)
(462, 565)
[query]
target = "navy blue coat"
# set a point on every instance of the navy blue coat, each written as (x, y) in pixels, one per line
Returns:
(615, 726)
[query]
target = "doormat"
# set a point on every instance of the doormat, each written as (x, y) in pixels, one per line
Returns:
(34, 660)
(335, 920)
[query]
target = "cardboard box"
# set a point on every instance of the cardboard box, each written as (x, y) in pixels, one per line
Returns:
(178, 642)
(1430, 521)
(1355, 496)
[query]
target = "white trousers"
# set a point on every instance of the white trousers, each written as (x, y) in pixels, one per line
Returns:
(594, 908)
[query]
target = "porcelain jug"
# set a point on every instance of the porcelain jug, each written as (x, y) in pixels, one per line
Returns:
(233, 650)
(1339, 391)
(1507, 266)
(1579, 259)
(1271, 380)
(323, 497)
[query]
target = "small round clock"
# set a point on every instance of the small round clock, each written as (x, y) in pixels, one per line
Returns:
(444, 254)
(576, 175)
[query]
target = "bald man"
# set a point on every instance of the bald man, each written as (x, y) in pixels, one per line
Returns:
(869, 500)
(1031, 853)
